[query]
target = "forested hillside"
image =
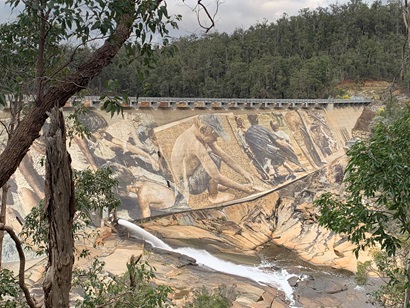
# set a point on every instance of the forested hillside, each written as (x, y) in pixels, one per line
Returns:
(304, 56)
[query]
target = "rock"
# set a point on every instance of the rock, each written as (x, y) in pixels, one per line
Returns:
(338, 253)
(279, 303)
(269, 295)
(183, 260)
(181, 293)
(293, 281)
(243, 302)
(328, 286)
(333, 288)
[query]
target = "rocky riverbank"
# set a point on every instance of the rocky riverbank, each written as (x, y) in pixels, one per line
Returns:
(312, 286)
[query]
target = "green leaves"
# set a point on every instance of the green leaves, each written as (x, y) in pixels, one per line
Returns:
(134, 289)
(9, 288)
(95, 190)
(75, 126)
(62, 28)
(35, 230)
(375, 209)
(113, 105)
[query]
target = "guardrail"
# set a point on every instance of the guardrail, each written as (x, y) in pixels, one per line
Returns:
(215, 103)
(243, 103)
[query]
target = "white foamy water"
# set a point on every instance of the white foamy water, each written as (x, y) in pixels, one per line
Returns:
(277, 279)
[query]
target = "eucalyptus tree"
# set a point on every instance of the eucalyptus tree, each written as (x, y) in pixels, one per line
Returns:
(375, 209)
(44, 31)
(56, 31)
(50, 36)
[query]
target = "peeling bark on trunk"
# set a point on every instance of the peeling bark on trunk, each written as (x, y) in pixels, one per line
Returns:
(59, 208)
(4, 191)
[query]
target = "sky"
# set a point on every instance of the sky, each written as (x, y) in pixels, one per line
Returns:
(232, 14)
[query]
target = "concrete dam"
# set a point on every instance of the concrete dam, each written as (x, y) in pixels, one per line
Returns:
(229, 179)
(179, 156)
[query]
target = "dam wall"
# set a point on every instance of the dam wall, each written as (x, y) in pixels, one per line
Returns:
(178, 160)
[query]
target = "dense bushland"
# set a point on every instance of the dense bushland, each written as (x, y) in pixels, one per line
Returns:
(303, 56)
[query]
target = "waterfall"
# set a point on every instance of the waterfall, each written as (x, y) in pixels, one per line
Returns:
(144, 235)
(277, 279)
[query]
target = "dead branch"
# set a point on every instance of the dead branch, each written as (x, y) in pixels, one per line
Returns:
(210, 17)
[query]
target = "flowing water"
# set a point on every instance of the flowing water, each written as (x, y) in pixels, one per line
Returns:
(278, 278)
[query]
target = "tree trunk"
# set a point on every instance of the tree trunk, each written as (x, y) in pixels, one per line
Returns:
(407, 291)
(3, 208)
(59, 208)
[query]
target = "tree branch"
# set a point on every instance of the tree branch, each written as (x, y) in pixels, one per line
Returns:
(22, 258)
(71, 58)
(5, 127)
(211, 18)
(57, 95)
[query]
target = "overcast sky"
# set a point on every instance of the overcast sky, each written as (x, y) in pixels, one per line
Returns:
(234, 14)
(231, 14)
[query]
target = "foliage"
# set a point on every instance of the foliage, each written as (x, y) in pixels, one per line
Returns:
(134, 289)
(362, 274)
(392, 111)
(303, 56)
(35, 230)
(378, 190)
(222, 297)
(75, 126)
(79, 23)
(9, 289)
(375, 208)
(390, 269)
(93, 192)
(390, 294)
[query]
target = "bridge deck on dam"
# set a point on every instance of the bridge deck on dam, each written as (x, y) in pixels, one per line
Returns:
(218, 103)
(191, 158)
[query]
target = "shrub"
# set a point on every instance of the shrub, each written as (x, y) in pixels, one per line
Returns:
(9, 289)
(133, 289)
(219, 298)
(362, 274)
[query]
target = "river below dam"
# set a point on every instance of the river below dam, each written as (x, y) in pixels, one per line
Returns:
(303, 284)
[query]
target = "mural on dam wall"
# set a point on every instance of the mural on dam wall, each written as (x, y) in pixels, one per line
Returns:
(205, 160)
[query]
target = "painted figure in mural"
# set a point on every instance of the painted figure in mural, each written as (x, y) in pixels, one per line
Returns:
(153, 195)
(135, 148)
(279, 118)
(321, 133)
(196, 161)
(103, 146)
(271, 151)
(142, 139)
(303, 138)
(284, 140)
(240, 133)
(279, 133)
